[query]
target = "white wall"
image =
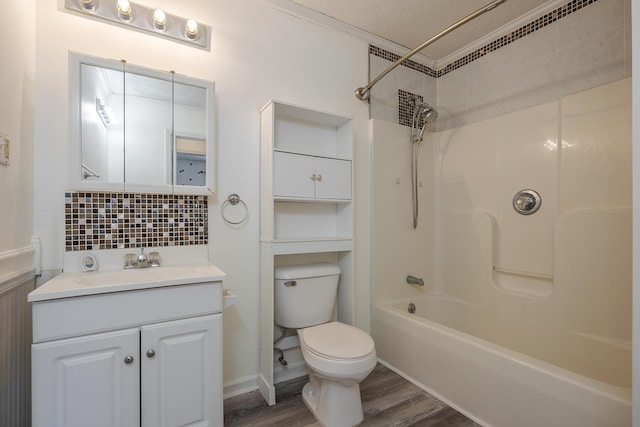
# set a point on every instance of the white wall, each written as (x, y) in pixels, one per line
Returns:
(17, 69)
(16, 119)
(257, 53)
(635, 9)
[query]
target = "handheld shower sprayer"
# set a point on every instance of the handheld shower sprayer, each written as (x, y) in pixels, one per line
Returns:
(422, 112)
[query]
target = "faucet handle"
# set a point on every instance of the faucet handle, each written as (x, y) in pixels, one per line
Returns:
(130, 260)
(154, 259)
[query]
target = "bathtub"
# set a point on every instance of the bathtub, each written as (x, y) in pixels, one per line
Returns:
(489, 383)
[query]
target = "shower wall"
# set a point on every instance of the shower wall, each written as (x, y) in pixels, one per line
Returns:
(397, 249)
(577, 45)
(560, 278)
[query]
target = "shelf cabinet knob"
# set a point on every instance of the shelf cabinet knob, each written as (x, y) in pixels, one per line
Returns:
(313, 177)
(319, 177)
(151, 353)
(128, 360)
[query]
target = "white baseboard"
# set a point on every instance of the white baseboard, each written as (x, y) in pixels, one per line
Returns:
(240, 386)
(252, 382)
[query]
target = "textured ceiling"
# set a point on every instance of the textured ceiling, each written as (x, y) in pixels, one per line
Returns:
(410, 22)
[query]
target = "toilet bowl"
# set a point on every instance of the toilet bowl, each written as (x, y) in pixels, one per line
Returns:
(338, 358)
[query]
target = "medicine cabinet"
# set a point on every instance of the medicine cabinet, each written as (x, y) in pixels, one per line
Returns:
(138, 129)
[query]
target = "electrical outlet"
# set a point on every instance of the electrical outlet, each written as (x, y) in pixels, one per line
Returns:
(4, 148)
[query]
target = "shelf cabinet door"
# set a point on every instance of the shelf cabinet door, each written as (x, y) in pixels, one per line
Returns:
(87, 381)
(296, 175)
(333, 179)
(182, 372)
(292, 175)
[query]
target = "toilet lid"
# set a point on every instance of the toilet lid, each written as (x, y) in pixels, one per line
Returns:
(337, 341)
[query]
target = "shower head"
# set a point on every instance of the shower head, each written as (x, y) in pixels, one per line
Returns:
(423, 111)
(429, 114)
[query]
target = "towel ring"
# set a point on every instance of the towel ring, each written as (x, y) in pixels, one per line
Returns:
(233, 199)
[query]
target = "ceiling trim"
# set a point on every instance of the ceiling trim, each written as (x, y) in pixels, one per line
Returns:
(325, 21)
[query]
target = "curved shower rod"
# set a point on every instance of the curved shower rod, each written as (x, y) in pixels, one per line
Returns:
(364, 93)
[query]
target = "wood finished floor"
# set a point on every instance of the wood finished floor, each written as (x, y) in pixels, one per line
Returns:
(387, 400)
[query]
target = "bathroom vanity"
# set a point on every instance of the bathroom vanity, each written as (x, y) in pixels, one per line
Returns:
(129, 347)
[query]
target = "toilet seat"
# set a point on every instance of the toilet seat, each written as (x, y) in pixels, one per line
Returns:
(337, 341)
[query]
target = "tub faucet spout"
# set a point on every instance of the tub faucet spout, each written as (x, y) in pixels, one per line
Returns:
(412, 280)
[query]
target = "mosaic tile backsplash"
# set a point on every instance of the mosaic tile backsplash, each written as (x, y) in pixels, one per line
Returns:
(100, 220)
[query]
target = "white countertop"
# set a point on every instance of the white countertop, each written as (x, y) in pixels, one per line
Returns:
(74, 284)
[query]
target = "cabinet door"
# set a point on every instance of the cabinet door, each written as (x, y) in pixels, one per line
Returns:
(182, 373)
(293, 175)
(87, 381)
(333, 178)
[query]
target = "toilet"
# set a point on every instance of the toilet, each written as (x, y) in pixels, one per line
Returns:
(338, 356)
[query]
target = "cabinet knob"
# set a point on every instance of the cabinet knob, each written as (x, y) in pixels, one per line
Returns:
(128, 360)
(151, 353)
(319, 177)
(313, 177)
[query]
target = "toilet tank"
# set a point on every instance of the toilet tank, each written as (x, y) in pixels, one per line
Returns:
(305, 295)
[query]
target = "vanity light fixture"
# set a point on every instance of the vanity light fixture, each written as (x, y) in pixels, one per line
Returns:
(124, 9)
(128, 14)
(159, 19)
(191, 29)
(87, 4)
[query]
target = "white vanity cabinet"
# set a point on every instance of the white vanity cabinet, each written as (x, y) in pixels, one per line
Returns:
(306, 212)
(87, 378)
(144, 356)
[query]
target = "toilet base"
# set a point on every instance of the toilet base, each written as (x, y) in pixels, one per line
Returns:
(334, 404)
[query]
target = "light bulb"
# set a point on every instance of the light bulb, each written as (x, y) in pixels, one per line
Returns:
(159, 19)
(191, 29)
(87, 4)
(124, 9)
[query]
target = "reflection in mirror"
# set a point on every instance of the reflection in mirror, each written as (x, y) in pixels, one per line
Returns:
(190, 127)
(190, 161)
(102, 124)
(148, 117)
(137, 129)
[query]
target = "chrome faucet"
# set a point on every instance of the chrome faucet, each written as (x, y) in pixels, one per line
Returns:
(412, 280)
(142, 261)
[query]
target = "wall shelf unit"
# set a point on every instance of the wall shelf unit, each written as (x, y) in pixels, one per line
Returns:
(306, 208)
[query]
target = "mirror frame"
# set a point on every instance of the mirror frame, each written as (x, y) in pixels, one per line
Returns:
(76, 182)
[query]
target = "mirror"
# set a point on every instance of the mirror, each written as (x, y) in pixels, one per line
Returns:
(137, 129)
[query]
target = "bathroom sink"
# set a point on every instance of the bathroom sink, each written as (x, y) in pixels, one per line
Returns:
(73, 284)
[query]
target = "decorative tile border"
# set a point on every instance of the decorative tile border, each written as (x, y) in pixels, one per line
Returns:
(406, 105)
(535, 25)
(97, 220)
(390, 56)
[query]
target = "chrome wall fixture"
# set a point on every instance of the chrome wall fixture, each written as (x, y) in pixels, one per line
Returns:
(527, 202)
(142, 18)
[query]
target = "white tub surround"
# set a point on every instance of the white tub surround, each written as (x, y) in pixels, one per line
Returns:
(489, 383)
